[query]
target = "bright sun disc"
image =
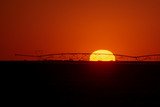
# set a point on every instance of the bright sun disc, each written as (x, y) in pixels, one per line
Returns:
(102, 55)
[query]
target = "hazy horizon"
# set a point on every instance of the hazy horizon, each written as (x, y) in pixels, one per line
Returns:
(129, 27)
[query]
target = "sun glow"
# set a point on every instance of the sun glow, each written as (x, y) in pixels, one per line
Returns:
(102, 55)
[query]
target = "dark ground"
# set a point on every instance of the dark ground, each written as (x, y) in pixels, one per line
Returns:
(81, 83)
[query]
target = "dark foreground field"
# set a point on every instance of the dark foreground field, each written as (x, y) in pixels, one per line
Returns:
(81, 83)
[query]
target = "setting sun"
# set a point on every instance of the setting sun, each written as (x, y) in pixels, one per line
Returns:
(102, 55)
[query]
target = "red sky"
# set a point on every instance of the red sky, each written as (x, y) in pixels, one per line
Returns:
(130, 27)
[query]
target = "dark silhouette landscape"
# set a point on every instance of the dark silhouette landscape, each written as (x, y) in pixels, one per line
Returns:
(79, 83)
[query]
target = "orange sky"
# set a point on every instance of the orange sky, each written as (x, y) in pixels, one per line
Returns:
(130, 27)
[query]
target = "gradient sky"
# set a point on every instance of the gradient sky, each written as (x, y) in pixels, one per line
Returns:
(130, 27)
